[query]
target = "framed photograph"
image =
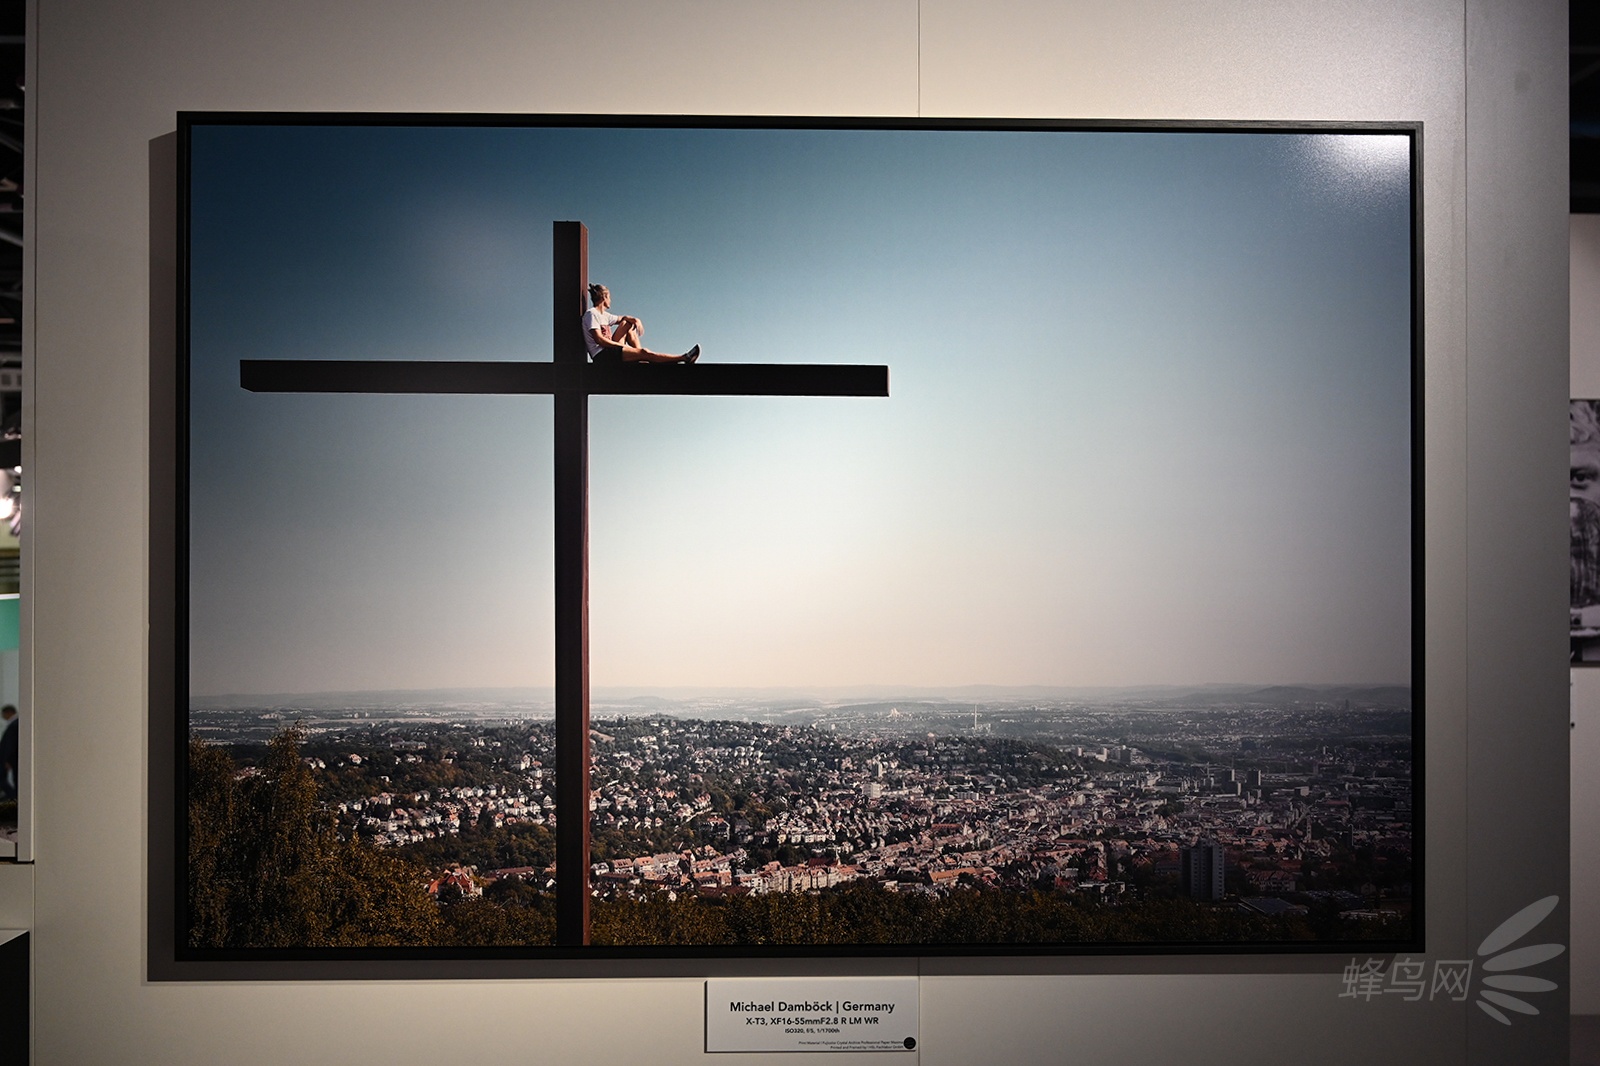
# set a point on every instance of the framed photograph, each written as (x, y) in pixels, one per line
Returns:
(694, 537)
(1584, 515)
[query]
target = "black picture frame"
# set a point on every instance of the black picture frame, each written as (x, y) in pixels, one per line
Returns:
(195, 228)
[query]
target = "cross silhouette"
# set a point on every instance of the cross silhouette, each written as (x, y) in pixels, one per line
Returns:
(572, 379)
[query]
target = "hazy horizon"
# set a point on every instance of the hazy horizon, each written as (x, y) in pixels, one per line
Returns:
(625, 692)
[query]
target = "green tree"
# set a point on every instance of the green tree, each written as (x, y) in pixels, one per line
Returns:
(268, 869)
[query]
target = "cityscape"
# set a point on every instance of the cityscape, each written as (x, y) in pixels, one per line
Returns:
(1227, 812)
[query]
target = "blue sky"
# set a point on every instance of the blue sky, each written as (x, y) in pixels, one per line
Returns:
(1149, 417)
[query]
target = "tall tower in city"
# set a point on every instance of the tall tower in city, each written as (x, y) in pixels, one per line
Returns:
(1200, 870)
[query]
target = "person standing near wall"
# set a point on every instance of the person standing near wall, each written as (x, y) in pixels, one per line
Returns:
(8, 754)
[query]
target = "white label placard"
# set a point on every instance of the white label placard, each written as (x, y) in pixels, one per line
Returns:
(812, 1014)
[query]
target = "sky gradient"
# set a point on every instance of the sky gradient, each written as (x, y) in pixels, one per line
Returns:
(1149, 417)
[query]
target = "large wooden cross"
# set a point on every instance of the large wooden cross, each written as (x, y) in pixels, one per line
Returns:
(572, 379)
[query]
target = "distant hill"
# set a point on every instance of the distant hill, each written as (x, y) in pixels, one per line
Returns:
(1358, 695)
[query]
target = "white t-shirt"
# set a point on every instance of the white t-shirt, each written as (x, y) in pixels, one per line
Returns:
(594, 318)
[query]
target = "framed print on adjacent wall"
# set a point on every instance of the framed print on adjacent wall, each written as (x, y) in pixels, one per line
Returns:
(1028, 565)
(1584, 515)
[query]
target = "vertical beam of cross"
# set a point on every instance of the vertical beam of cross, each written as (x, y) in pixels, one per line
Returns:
(570, 286)
(572, 379)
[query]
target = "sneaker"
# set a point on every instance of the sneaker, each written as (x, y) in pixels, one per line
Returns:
(692, 354)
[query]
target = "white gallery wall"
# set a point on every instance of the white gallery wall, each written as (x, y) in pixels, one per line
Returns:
(1585, 312)
(1487, 80)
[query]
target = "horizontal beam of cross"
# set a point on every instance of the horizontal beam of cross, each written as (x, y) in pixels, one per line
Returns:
(431, 376)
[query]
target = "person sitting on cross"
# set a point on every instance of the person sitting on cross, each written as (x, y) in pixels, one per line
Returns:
(616, 338)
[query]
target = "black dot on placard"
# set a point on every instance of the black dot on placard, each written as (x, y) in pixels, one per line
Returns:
(911, 1042)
